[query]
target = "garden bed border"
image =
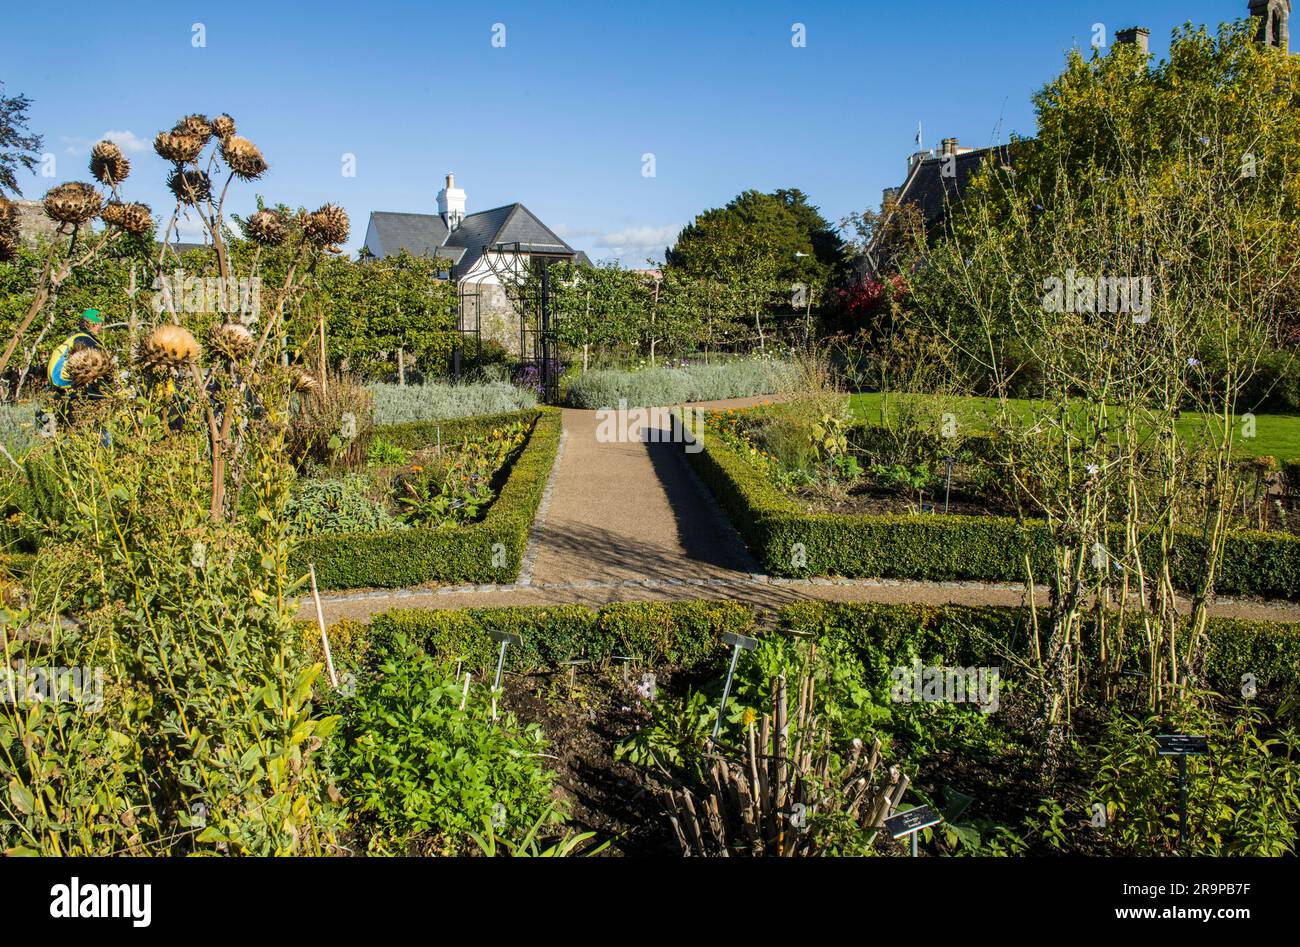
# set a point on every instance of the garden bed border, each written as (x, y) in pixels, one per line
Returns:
(485, 552)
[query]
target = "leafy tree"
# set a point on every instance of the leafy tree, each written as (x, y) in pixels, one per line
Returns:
(780, 233)
(18, 147)
(776, 252)
(1151, 222)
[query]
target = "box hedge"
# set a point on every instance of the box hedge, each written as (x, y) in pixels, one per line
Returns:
(487, 551)
(985, 636)
(688, 634)
(678, 633)
(791, 542)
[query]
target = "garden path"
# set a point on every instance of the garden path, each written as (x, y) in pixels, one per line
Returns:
(628, 520)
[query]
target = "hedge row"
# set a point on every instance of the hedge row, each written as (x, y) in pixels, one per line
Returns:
(688, 634)
(791, 542)
(974, 636)
(679, 633)
(487, 551)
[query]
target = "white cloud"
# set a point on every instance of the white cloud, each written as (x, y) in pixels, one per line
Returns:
(126, 140)
(642, 236)
(633, 245)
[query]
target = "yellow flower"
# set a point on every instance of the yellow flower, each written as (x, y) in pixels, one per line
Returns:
(748, 717)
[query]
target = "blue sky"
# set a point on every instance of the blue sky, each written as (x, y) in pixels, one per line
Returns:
(561, 115)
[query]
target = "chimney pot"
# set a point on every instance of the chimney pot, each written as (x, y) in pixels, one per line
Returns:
(451, 203)
(950, 146)
(1138, 36)
(1274, 27)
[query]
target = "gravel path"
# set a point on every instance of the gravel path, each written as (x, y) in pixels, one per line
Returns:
(626, 519)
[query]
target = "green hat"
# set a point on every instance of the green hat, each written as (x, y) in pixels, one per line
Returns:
(93, 316)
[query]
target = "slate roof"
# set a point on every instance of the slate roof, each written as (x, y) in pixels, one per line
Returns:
(417, 234)
(928, 188)
(426, 235)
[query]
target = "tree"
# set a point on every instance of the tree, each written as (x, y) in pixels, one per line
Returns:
(782, 230)
(776, 249)
(18, 147)
(1152, 220)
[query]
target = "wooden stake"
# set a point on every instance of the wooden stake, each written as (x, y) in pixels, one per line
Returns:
(320, 620)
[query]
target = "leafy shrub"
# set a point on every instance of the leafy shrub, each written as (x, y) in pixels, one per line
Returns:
(207, 698)
(650, 387)
(421, 774)
(1268, 651)
(344, 505)
(1243, 797)
(381, 453)
(403, 404)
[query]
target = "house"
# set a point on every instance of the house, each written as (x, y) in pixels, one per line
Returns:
(485, 252)
(936, 181)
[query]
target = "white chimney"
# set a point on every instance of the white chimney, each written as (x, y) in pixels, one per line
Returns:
(451, 203)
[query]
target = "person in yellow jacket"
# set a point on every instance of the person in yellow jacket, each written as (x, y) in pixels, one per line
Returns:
(86, 337)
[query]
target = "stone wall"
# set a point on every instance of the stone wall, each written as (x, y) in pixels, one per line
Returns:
(498, 320)
(33, 225)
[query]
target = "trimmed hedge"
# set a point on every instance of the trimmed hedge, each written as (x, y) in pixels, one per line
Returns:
(687, 634)
(971, 636)
(679, 633)
(395, 558)
(937, 547)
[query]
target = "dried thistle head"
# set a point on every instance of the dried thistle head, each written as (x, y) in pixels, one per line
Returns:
(243, 158)
(108, 164)
(190, 186)
(73, 203)
(168, 346)
(328, 226)
(178, 147)
(133, 218)
(223, 126)
(267, 228)
(231, 341)
(88, 366)
(303, 382)
(195, 126)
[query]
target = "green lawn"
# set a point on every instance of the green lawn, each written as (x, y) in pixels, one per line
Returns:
(1276, 435)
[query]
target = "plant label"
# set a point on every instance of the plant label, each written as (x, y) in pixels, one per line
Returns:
(912, 821)
(1180, 744)
(739, 641)
(505, 637)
